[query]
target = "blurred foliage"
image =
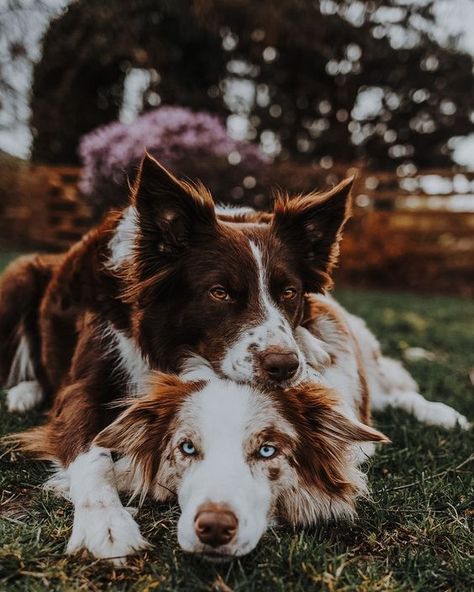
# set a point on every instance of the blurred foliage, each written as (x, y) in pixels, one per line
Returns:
(78, 84)
(179, 138)
(318, 81)
(18, 18)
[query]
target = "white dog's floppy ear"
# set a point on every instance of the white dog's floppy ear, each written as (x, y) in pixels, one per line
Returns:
(311, 225)
(142, 431)
(328, 480)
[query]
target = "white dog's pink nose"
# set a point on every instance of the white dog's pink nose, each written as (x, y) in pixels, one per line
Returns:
(215, 524)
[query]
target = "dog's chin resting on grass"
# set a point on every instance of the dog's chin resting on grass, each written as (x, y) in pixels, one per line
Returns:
(234, 457)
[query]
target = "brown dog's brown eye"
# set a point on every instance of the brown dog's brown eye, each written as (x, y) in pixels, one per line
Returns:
(219, 293)
(288, 294)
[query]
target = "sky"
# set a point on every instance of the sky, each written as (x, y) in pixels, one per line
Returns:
(457, 17)
(454, 17)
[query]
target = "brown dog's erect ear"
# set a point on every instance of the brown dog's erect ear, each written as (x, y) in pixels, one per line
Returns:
(329, 480)
(311, 225)
(142, 431)
(170, 211)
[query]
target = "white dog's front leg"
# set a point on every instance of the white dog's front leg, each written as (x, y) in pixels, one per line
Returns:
(101, 524)
(429, 412)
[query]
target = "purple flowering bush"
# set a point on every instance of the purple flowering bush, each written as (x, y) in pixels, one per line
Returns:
(191, 144)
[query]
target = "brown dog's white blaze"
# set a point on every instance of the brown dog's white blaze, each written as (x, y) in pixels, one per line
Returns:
(300, 244)
(264, 347)
(236, 457)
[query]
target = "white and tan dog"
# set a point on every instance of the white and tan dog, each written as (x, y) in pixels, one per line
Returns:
(236, 457)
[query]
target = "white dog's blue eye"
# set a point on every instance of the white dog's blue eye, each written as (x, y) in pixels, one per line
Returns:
(267, 451)
(188, 448)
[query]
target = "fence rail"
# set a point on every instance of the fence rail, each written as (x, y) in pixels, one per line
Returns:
(388, 242)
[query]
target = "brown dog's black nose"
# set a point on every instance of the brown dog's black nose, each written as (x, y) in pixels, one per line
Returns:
(280, 366)
(215, 524)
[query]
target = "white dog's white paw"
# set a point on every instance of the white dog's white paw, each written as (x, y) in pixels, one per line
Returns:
(429, 412)
(106, 532)
(24, 396)
(443, 415)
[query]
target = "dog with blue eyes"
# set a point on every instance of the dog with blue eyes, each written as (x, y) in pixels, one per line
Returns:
(235, 458)
(238, 458)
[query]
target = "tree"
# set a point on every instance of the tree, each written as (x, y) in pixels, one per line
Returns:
(78, 84)
(324, 81)
(351, 80)
(21, 23)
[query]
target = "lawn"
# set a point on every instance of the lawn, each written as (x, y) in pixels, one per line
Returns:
(413, 534)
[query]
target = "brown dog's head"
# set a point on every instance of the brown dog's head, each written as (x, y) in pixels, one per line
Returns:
(230, 291)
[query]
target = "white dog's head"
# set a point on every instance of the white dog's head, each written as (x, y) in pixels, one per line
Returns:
(237, 457)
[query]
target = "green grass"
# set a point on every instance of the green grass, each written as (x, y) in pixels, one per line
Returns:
(5, 258)
(413, 534)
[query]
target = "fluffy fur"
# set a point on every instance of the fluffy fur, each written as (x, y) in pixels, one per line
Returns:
(312, 476)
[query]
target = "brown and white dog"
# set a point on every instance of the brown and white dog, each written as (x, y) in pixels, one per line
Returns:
(164, 278)
(235, 456)
(157, 283)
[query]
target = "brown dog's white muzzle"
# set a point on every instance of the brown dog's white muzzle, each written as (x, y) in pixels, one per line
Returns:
(215, 524)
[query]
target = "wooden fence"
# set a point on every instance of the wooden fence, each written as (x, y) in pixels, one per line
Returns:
(404, 233)
(43, 208)
(425, 251)
(414, 232)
